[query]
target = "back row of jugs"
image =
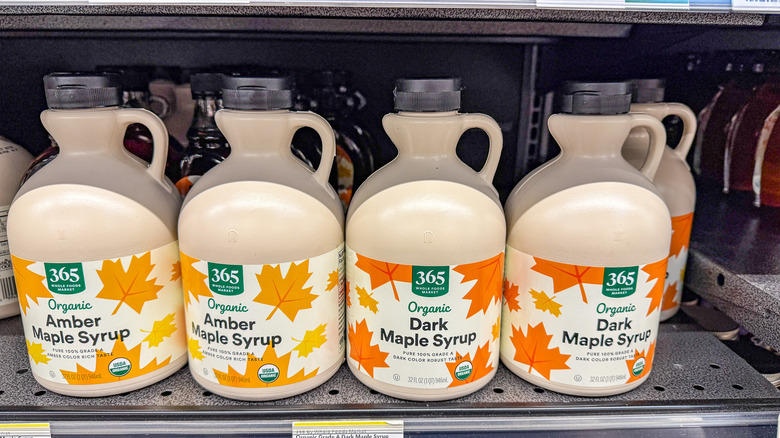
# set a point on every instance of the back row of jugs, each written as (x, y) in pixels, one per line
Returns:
(259, 281)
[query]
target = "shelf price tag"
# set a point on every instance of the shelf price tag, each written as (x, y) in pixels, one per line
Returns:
(38, 430)
(755, 5)
(348, 429)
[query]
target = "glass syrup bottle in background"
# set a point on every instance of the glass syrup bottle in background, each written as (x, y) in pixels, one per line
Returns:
(206, 146)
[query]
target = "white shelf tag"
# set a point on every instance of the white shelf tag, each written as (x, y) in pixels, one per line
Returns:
(755, 5)
(25, 430)
(348, 429)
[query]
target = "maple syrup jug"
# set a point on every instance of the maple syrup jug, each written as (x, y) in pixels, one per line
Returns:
(13, 162)
(425, 254)
(262, 247)
(588, 237)
(673, 180)
(95, 254)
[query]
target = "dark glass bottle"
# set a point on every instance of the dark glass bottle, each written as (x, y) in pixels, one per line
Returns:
(207, 146)
(332, 97)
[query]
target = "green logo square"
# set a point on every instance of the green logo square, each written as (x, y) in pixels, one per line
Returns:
(226, 279)
(620, 282)
(430, 281)
(65, 278)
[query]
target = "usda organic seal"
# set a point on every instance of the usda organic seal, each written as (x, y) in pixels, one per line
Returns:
(639, 366)
(463, 370)
(268, 373)
(119, 367)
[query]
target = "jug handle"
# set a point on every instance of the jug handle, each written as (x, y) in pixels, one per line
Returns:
(689, 127)
(128, 116)
(657, 142)
(496, 138)
(307, 119)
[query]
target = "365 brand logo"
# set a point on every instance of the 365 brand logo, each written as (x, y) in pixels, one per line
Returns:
(226, 279)
(430, 281)
(620, 282)
(65, 278)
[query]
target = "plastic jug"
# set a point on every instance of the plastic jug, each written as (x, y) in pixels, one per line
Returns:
(425, 254)
(673, 180)
(13, 162)
(94, 247)
(262, 247)
(588, 237)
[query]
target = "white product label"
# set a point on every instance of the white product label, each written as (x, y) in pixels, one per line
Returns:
(25, 430)
(348, 429)
(581, 325)
(102, 321)
(257, 326)
(7, 284)
(423, 326)
(755, 5)
(675, 269)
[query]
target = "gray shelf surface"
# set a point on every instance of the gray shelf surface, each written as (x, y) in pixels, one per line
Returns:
(735, 260)
(696, 381)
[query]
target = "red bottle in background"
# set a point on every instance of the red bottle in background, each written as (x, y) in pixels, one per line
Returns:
(766, 173)
(743, 134)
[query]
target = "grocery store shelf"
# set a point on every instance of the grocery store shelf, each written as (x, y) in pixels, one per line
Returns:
(472, 10)
(696, 382)
(735, 260)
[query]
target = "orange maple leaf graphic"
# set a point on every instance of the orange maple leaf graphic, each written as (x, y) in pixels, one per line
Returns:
(511, 294)
(657, 272)
(193, 281)
(479, 364)
(101, 374)
(497, 329)
(29, 285)
(648, 363)
(681, 233)
(533, 350)
(545, 303)
(383, 272)
(349, 301)
(333, 280)
(366, 355)
(565, 276)
(670, 297)
(251, 379)
(176, 271)
(132, 287)
(288, 293)
(487, 290)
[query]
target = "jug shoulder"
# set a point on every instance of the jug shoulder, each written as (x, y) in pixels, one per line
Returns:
(428, 223)
(68, 222)
(399, 172)
(128, 180)
(257, 222)
(273, 172)
(599, 224)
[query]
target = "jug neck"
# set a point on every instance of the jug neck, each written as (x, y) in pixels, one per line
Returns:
(429, 134)
(256, 133)
(83, 131)
(586, 136)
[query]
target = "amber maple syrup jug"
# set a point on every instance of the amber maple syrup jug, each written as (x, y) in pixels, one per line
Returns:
(95, 253)
(425, 255)
(588, 237)
(262, 248)
(13, 162)
(673, 180)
